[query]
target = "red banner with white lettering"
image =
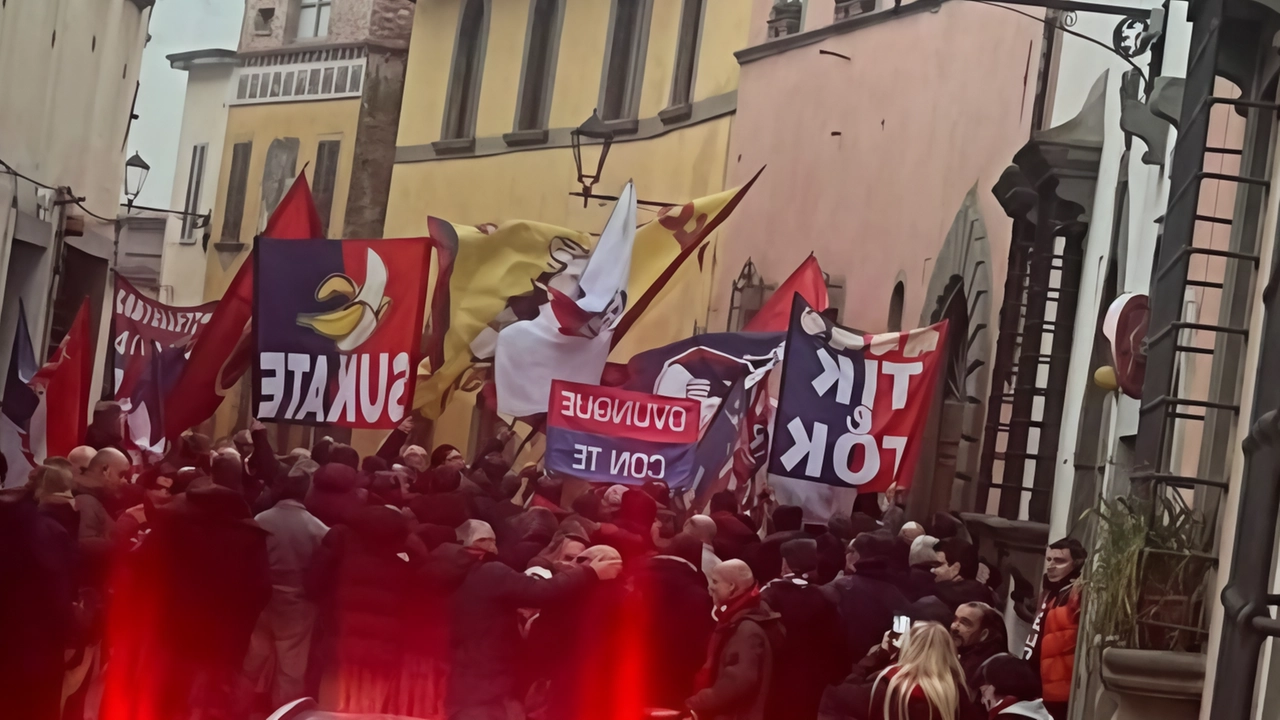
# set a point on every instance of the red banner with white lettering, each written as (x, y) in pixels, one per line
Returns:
(606, 434)
(150, 342)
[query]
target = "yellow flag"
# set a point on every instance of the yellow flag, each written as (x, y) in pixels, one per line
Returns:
(494, 268)
(489, 269)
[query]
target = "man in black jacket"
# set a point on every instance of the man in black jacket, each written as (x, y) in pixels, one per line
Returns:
(673, 589)
(979, 633)
(37, 595)
(956, 575)
(486, 633)
(812, 654)
(204, 574)
(867, 596)
(766, 558)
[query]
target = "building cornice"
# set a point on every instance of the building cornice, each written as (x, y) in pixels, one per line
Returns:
(840, 27)
(699, 112)
(185, 61)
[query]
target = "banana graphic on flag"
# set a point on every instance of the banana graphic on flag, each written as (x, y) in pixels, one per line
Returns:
(353, 323)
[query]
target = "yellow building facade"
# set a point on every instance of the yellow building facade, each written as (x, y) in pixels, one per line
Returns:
(494, 89)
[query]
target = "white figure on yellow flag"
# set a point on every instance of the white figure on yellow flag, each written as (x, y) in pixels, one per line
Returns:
(570, 337)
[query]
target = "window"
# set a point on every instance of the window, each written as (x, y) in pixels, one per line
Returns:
(464, 80)
(686, 52)
(195, 185)
(625, 63)
(326, 175)
(539, 65)
(262, 21)
(279, 168)
(237, 184)
(895, 307)
(313, 18)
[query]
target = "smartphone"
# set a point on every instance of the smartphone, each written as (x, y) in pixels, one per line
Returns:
(900, 625)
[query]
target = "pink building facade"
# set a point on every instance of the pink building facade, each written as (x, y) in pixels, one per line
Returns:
(874, 130)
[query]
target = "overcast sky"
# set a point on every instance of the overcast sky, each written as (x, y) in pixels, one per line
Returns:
(176, 26)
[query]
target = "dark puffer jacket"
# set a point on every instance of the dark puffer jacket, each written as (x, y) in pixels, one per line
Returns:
(867, 601)
(362, 582)
(486, 633)
(812, 654)
(677, 622)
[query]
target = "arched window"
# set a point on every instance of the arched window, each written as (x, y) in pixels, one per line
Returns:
(686, 52)
(895, 307)
(464, 79)
(539, 65)
(624, 63)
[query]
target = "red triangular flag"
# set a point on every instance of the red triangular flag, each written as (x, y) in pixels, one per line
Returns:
(221, 354)
(775, 315)
(62, 416)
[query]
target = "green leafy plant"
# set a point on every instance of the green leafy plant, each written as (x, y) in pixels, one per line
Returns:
(1148, 579)
(1111, 582)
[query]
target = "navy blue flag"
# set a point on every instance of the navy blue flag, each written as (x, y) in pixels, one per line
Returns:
(852, 407)
(701, 366)
(713, 460)
(20, 400)
(19, 405)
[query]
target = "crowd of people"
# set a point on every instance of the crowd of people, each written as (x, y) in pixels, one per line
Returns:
(228, 580)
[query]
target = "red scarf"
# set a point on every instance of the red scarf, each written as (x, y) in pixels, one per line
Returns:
(725, 620)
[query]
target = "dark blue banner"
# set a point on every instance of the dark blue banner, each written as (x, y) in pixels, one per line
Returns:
(606, 459)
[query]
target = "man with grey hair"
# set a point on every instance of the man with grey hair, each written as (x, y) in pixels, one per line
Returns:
(738, 672)
(285, 625)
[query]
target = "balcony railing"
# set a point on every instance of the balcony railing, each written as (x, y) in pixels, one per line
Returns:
(324, 74)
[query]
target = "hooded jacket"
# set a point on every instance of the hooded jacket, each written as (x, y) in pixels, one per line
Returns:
(678, 624)
(335, 494)
(212, 560)
(867, 600)
(812, 654)
(743, 669)
(362, 583)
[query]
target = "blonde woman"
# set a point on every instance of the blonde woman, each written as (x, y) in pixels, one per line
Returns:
(927, 682)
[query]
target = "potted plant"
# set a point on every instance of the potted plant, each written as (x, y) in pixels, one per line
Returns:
(1145, 593)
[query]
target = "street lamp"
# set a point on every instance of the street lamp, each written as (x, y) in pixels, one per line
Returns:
(135, 176)
(594, 129)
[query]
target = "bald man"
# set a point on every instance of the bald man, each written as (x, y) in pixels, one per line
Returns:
(704, 529)
(80, 458)
(910, 531)
(98, 492)
(736, 677)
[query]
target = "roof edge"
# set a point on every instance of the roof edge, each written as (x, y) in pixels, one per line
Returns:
(208, 56)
